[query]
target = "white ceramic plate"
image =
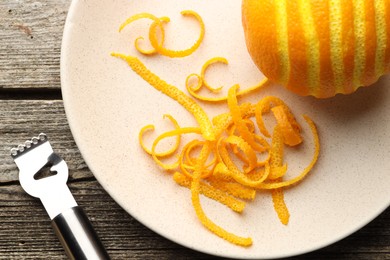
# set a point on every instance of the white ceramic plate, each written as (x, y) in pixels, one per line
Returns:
(107, 104)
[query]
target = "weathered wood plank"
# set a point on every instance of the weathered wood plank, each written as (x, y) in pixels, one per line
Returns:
(30, 42)
(22, 119)
(25, 231)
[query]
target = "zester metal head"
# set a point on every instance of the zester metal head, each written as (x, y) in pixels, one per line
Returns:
(33, 156)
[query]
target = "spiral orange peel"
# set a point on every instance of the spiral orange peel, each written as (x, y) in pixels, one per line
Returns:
(200, 79)
(157, 41)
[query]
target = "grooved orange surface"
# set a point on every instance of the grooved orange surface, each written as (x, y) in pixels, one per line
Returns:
(263, 28)
(328, 47)
(297, 51)
(369, 74)
(348, 45)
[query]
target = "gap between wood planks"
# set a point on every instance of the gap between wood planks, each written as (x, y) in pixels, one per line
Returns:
(30, 94)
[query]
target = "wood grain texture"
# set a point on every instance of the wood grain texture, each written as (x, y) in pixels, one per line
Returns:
(30, 36)
(25, 231)
(30, 102)
(23, 119)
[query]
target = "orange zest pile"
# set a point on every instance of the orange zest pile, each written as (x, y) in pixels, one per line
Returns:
(233, 155)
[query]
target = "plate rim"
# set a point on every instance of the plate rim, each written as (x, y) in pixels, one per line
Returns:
(65, 38)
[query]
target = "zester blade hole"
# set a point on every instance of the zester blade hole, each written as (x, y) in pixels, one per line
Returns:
(45, 172)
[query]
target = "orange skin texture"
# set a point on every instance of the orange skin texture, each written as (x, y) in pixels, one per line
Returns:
(262, 28)
(369, 75)
(348, 45)
(326, 76)
(261, 35)
(297, 49)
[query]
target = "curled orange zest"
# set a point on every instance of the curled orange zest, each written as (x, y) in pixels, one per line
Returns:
(202, 82)
(159, 45)
(176, 132)
(205, 67)
(262, 107)
(152, 31)
(151, 128)
(137, 17)
(287, 122)
(157, 40)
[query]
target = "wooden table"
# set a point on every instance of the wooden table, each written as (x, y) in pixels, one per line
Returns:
(31, 102)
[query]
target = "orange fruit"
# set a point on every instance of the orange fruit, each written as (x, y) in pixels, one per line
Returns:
(319, 47)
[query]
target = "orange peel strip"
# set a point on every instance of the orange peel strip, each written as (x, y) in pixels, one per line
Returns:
(140, 137)
(290, 133)
(137, 17)
(210, 225)
(151, 128)
(258, 173)
(250, 155)
(249, 124)
(243, 92)
(156, 21)
(159, 46)
(237, 119)
(233, 188)
(276, 154)
(188, 149)
(143, 51)
(265, 161)
(239, 176)
(206, 66)
(221, 123)
(307, 169)
(221, 172)
(183, 166)
(280, 205)
(262, 142)
(191, 162)
(198, 84)
(262, 107)
(173, 92)
(239, 154)
(152, 30)
(277, 172)
(211, 192)
(179, 131)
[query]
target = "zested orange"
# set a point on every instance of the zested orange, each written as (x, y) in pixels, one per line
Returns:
(319, 47)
